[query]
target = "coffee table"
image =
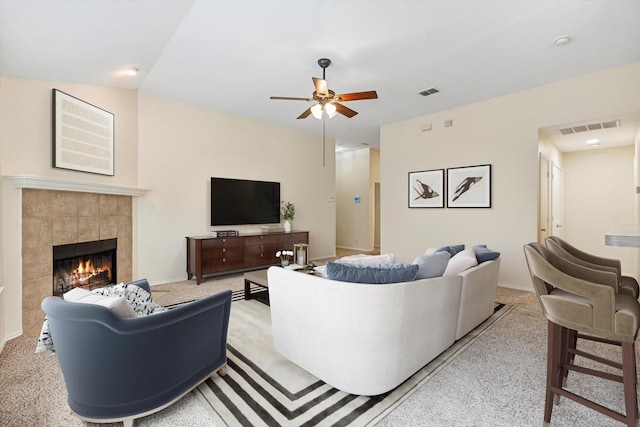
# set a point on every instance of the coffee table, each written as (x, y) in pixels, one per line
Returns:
(257, 277)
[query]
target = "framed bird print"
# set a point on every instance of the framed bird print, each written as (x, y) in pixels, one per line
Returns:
(426, 189)
(469, 187)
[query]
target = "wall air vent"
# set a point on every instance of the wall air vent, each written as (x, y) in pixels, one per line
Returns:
(429, 91)
(591, 126)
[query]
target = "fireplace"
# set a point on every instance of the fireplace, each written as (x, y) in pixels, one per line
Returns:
(87, 265)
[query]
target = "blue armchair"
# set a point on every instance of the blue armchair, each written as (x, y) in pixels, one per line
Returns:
(118, 369)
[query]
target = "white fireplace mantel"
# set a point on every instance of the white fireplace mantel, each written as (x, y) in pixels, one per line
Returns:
(48, 183)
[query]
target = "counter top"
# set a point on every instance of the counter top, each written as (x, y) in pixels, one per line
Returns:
(627, 235)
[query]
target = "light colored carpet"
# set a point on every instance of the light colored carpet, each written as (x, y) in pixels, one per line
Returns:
(497, 381)
(262, 388)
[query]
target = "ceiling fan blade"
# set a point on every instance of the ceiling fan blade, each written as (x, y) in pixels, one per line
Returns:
(305, 113)
(290, 98)
(345, 111)
(357, 95)
(321, 86)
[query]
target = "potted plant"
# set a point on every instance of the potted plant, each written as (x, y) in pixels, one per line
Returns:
(288, 212)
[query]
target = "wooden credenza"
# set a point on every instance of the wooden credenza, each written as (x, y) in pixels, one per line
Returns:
(210, 256)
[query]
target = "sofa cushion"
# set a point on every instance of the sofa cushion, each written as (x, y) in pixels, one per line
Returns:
(363, 259)
(484, 254)
(452, 249)
(460, 262)
(118, 305)
(432, 265)
(372, 274)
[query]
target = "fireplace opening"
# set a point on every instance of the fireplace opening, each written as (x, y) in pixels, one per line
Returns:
(87, 265)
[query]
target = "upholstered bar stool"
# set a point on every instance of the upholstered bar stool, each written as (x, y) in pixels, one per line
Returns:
(581, 303)
(627, 284)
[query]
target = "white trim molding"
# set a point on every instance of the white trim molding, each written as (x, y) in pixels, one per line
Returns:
(47, 183)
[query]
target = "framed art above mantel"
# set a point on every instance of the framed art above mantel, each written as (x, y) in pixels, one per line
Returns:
(83, 135)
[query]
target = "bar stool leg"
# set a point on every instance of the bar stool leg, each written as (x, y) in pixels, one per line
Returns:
(629, 382)
(555, 357)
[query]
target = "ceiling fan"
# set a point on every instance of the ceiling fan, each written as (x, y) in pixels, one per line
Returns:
(326, 100)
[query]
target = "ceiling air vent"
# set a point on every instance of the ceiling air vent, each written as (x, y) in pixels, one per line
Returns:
(429, 91)
(590, 126)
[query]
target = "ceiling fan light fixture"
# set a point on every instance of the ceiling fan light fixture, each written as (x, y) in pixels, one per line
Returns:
(316, 110)
(331, 110)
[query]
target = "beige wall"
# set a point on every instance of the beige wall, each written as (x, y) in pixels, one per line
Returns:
(353, 178)
(374, 177)
(503, 132)
(182, 146)
(25, 137)
(599, 192)
(170, 148)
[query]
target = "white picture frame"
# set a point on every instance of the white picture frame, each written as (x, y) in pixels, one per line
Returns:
(426, 189)
(469, 187)
(83, 135)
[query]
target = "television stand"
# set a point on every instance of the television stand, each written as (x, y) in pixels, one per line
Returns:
(214, 256)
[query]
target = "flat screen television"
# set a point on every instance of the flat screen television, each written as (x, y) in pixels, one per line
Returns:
(241, 201)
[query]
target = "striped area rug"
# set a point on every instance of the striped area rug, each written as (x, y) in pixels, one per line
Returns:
(262, 388)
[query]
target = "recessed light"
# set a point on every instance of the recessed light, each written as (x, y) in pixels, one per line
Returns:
(562, 40)
(131, 71)
(593, 141)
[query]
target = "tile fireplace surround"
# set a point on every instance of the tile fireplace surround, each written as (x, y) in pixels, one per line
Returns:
(51, 218)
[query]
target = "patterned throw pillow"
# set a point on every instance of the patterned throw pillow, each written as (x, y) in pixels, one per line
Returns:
(133, 296)
(139, 299)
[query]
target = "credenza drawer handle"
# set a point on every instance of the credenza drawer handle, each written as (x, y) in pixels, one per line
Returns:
(224, 260)
(224, 250)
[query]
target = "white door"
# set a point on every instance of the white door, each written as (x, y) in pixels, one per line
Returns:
(557, 197)
(544, 222)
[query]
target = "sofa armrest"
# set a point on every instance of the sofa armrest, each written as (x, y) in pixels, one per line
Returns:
(478, 297)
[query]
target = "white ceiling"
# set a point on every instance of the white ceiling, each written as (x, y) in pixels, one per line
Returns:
(233, 55)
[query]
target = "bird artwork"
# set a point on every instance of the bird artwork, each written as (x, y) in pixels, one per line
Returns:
(424, 191)
(465, 186)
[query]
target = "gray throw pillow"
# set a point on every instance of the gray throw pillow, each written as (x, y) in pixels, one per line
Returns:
(452, 249)
(432, 265)
(372, 274)
(484, 254)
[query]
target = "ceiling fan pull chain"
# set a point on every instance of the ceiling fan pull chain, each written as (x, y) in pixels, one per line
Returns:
(324, 151)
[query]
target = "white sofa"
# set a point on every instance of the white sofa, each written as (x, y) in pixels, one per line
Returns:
(367, 339)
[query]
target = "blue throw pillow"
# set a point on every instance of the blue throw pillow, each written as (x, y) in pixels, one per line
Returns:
(373, 274)
(432, 265)
(453, 249)
(484, 254)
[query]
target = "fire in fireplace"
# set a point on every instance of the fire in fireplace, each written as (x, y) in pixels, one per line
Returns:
(88, 265)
